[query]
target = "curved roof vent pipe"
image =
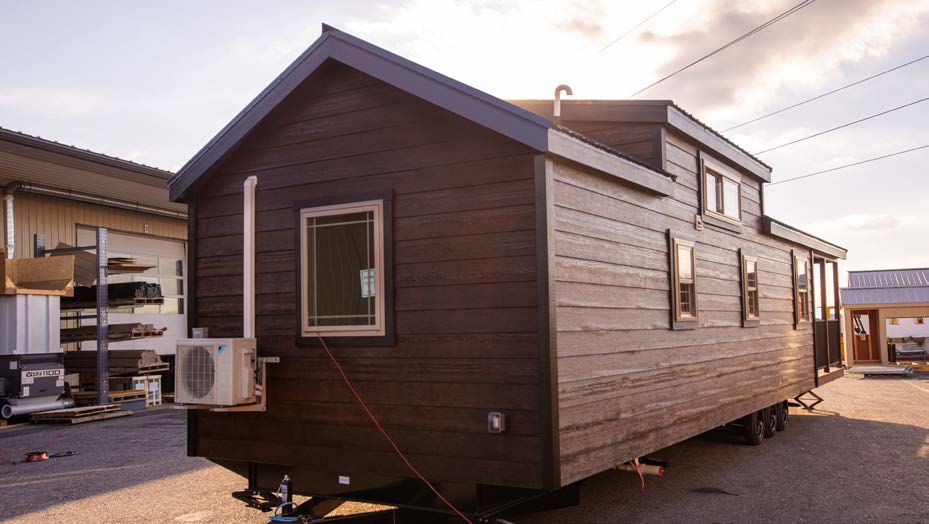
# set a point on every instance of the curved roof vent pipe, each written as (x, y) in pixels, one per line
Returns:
(556, 113)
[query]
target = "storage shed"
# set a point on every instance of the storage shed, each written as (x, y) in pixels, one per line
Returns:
(608, 282)
(886, 313)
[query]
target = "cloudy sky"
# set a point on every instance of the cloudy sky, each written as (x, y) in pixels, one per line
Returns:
(153, 81)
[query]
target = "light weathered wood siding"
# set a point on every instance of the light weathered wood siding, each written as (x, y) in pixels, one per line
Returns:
(627, 384)
(58, 218)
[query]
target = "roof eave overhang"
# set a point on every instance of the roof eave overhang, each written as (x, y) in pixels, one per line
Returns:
(888, 305)
(686, 125)
(570, 148)
(781, 230)
(22, 144)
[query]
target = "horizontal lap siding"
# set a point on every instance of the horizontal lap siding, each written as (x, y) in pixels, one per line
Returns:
(627, 384)
(465, 289)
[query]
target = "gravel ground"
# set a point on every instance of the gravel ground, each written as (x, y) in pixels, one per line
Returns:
(862, 457)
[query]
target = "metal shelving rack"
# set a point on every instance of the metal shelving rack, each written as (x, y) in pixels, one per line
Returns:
(103, 334)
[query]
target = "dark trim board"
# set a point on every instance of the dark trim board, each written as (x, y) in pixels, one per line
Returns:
(548, 328)
(191, 309)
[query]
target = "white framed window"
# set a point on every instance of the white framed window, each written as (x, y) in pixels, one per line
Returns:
(751, 310)
(802, 286)
(683, 282)
(342, 270)
(722, 192)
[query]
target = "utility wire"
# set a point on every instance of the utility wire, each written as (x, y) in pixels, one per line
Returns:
(798, 104)
(842, 126)
(640, 24)
(849, 165)
(760, 28)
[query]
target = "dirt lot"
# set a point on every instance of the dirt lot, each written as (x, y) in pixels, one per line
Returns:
(863, 458)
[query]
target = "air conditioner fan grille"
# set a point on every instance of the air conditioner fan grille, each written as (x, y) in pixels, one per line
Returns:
(199, 371)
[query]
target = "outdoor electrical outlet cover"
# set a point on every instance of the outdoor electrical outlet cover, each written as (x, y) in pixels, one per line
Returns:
(496, 422)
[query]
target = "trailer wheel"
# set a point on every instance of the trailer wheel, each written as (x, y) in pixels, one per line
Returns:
(770, 422)
(783, 416)
(753, 428)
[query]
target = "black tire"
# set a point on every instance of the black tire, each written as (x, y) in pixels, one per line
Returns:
(753, 428)
(770, 422)
(783, 415)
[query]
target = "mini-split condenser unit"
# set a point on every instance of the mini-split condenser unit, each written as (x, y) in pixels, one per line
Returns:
(215, 371)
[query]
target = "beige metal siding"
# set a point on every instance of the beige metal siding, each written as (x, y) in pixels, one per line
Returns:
(58, 219)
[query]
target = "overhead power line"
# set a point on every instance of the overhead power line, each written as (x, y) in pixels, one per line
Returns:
(842, 126)
(776, 19)
(640, 24)
(808, 100)
(898, 153)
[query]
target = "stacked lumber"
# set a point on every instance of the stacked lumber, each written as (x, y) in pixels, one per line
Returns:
(117, 332)
(121, 362)
(80, 415)
(126, 294)
(85, 265)
(117, 265)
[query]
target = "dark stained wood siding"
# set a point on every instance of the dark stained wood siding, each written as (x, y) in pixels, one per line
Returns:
(641, 141)
(464, 282)
(627, 384)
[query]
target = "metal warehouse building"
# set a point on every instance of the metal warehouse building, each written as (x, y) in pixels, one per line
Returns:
(65, 193)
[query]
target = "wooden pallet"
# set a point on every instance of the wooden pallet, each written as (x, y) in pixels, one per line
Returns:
(116, 397)
(151, 370)
(80, 415)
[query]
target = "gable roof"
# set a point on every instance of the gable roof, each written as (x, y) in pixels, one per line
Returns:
(493, 113)
(664, 112)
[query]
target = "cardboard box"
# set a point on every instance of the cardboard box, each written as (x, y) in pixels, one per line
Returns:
(52, 276)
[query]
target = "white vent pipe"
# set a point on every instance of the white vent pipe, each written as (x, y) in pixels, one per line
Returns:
(248, 259)
(10, 227)
(556, 110)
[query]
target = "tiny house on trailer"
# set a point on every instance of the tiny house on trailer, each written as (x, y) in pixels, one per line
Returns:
(522, 301)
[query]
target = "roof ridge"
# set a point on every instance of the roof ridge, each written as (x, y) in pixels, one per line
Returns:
(885, 270)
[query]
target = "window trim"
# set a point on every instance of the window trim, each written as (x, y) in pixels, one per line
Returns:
(708, 167)
(749, 320)
(678, 321)
(383, 334)
(799, 258)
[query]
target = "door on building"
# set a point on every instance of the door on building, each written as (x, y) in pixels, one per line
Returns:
(169, 267)
(865, 336)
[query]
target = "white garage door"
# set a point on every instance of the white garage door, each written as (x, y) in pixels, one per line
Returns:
(169, 261)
